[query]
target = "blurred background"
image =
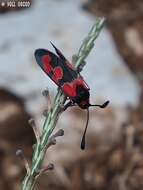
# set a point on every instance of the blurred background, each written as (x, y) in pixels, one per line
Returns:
(113, 159)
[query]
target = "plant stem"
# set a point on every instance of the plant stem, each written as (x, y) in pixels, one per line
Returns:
(54, 113)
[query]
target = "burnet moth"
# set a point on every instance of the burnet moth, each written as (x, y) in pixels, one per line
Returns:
(63, 73)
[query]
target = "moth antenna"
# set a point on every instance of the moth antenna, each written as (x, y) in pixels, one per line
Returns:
(82, 146)
(58, 52)
(104, 105)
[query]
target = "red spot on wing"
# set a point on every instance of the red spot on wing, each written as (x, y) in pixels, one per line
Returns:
(58, 73)
(69, 90)
(80, 81)
(46, 59)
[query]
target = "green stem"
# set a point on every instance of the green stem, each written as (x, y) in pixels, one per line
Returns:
(54, 113)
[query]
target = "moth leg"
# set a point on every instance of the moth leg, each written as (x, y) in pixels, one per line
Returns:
(68, 104)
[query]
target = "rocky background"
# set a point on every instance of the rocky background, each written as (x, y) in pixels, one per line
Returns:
(113, 158)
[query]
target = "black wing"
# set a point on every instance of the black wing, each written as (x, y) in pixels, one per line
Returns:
(57, 68)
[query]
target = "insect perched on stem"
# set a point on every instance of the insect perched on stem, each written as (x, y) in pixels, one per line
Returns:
(63, 73)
